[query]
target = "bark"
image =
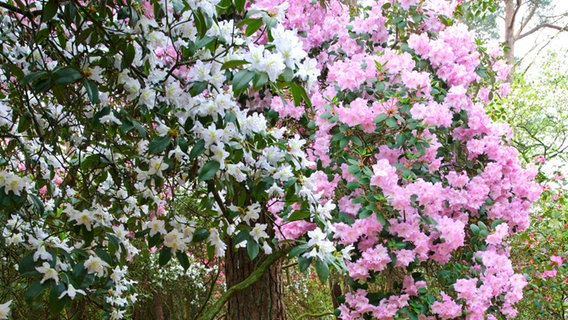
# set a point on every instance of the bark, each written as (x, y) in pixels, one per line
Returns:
(510, 13)
(158, 307)
(263, 300)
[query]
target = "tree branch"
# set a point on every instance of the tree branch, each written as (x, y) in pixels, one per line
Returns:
(514, 15)
(28, 14)
(541, 26)
(316, 315)
(527, 19)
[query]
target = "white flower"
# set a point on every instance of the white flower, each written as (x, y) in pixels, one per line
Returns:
(236, 171)
(117, 314)
(252, 213)
(156, 226)
(174, 241)
(262, 60)
(288, 44)
(212, 135)
(72, 292)
(148, 97)
(13, 183)
(275, 190)
(346, 252)
(266, 247)
(83, 217)
(324, 212)
(219, 154)
(110, 118)
(284, 173)
(5, 114)
(308, 71)
(156, 166)
(259, 232)
(295, 144)
(118, 273)
(5, 309)
(48, 273)
(321, 246)
(96, 265)
(94, 73)
(43, 254)
(215, 240)
(256, 57)
(274, 65)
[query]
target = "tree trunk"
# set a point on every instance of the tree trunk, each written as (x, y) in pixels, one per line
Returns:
(158, 307)
(262, 300)
(510, 13)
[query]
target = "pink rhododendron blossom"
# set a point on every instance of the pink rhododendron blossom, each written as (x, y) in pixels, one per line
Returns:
(447, 309)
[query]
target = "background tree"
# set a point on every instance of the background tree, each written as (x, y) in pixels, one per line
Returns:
(536, 111)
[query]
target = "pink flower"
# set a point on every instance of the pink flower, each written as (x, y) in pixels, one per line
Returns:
(447, 309)
(549, 273)
(557, 259)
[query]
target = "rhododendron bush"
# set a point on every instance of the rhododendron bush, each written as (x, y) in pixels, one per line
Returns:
(346, 137)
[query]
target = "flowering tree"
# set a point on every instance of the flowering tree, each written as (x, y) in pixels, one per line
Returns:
(350, 137)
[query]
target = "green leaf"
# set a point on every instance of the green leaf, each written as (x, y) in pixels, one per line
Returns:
(233, 64)
(381, 219)
(474, 228)
(35, 290)
(200, 235)
(55, 304)
(198, 87)
(15, 70)
(252, 249)
(33, 77)
(259, 80)
(141, 130)
(296, 93)
(37, 203)
(128, 56)
(203, 42)
(49, 10)
(298, 215)
(26, 267)
(104, 256)
(202, 23)
(391, 122)
(296, 251)
(496, 223)
(287, 75)
(183, 259)
(208, 171)
(242, 79)
(165, 256)
(126, 126)
(230, 116)
(159, 144)
(25, 122)
(304, 263)
(197, 149)
(66, 75)
(92, 90)
(243, 235)
(240, 5)
(154, 240)
(252, 26)
(113, 243)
